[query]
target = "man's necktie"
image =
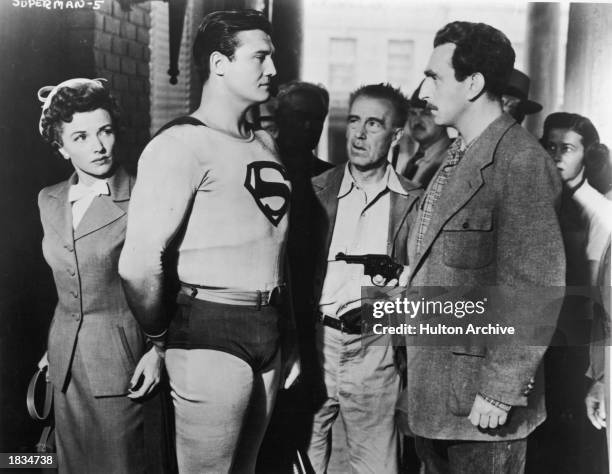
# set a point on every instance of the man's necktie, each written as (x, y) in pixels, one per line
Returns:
(413, 165)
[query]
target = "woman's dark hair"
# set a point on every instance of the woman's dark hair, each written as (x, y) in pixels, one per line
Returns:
(218, 31)
(480, 48)
(596, 157)
(72, 99)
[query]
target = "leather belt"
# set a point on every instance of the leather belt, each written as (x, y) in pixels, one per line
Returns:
(338, 324)
(257, 298)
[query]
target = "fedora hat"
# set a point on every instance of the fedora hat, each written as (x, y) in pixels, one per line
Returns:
(414, 98)
(518, 86)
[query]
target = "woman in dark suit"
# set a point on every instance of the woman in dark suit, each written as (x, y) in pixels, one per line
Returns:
(96, 351)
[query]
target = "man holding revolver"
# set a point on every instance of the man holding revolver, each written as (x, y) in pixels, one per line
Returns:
(364, 207)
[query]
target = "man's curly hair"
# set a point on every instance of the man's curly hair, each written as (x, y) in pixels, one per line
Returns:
(480, 48)
(73, 99)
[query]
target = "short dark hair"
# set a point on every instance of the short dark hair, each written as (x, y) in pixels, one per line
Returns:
(68, 100)
(479, 48)
(317, 93)
(218, 31)
(387, 92)
(596, 157)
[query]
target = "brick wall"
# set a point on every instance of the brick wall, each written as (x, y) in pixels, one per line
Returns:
(114, 44)
(121, 52)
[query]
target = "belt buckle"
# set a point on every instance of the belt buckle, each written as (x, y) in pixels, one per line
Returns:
(342, 326)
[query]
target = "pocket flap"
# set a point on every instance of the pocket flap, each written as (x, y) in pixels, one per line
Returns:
(471, 219)
(477, 351)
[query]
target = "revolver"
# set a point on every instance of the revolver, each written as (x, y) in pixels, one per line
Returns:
(375, 264)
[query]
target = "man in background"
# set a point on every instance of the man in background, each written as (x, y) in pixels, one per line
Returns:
(515, 99)
(432, 140)
(363, 207)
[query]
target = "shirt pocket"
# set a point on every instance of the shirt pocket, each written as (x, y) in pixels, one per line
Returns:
(469, 238)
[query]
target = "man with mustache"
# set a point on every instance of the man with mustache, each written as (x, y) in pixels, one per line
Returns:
(432, 139)
(362, 207)
(488, 219)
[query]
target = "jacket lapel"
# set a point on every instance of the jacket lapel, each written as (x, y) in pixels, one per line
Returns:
(61, 210)
(327, 195)
(106, 209)
(399, 209)
(462, 185)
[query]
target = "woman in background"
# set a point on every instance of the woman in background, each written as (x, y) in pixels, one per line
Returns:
(573, 142)
(96, 351)
(583, 162)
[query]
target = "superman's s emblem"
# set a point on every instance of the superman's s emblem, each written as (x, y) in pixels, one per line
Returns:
(272, 197)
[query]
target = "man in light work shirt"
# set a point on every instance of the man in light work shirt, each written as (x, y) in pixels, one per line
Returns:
(489, 218)
(215, 189)
(365, 207)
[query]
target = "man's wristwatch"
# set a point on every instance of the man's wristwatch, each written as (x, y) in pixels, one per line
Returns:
(496, 403)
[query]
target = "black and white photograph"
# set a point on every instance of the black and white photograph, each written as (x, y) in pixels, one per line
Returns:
(305, 236)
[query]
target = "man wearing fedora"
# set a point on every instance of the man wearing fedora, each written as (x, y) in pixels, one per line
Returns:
(432, 139)
(515, 99)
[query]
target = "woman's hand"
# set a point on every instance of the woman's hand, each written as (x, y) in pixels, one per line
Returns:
(596, 405)
(147, 373)
(43, 364)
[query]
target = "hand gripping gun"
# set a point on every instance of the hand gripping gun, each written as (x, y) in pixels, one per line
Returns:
(375, 264)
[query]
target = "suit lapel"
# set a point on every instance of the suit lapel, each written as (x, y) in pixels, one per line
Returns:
(462, 185)
(105, 209)
(61, 210)
(100, 213)
(328, 197)
(399, 208)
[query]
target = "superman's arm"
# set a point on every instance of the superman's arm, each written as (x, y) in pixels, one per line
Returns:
(165, 187)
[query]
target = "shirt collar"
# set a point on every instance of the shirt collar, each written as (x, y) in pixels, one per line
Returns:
(389, 181)
(79, 190)
(436, 148)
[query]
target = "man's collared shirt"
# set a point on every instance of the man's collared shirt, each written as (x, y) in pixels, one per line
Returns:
(432, 157)
(361, 227)
(434, 190)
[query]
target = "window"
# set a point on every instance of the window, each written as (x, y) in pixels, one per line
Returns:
(342, 57)
(400, 54)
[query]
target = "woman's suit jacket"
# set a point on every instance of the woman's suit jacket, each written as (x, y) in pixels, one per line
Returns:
(91, 304)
